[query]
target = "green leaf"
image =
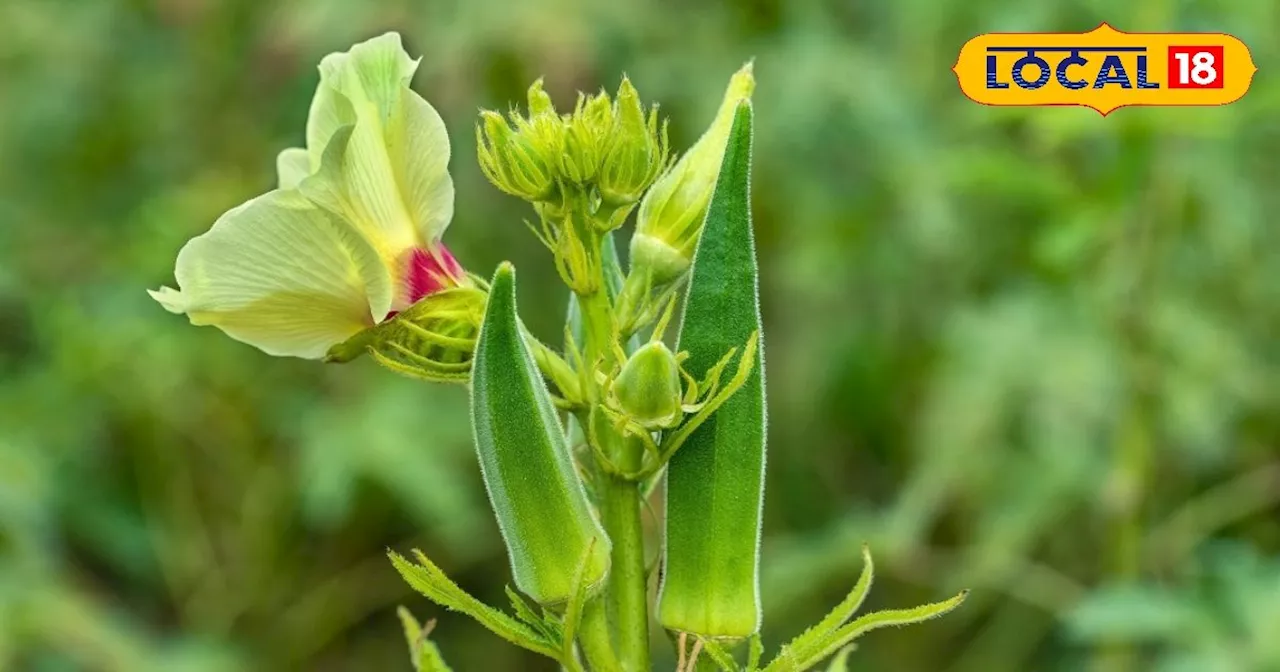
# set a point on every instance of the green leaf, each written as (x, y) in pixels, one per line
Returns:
(715, 482)
(848, 633)
(814, 639)
(755, 649)
(573, 611)
(546, 625)
(422, 651)
(719, 655)
(540, 504)
(429, 580)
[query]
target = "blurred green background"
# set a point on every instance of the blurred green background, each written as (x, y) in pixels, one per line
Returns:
(1032, 352)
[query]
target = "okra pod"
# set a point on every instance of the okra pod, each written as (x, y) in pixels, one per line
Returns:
(540, 504)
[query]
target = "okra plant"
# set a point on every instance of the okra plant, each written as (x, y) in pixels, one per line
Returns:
(345, 258)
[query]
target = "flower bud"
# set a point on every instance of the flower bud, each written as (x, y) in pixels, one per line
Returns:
(519, 161)
(636, 151)
(672, 213)
(584, 140)
(648, 388)
(673, 210)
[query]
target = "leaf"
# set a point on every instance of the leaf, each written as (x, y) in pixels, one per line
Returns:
(715, 483)
(573, 611)
(546, 626)
(422, 651)
(429, 580)
(755, 649)
(719, 655)
(540, 504)
(813, 639)
(848, 633)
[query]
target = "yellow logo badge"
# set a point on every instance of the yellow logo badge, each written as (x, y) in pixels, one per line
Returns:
(1104, 69)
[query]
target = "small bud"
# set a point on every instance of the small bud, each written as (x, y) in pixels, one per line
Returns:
(636, 151)
(672, 212)
(673, 209)
(519, 161)
(584, 141)
(648, 388)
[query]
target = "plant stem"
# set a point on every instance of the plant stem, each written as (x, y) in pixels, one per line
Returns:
(626, 590)
(625, 597)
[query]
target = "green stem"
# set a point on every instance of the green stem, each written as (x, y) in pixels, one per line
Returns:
(625, 596)
(596, 321)
(626, 590)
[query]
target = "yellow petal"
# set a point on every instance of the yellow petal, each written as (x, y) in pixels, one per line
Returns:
(283, 275)
(420, 154)
(292, 166)
(389, 173)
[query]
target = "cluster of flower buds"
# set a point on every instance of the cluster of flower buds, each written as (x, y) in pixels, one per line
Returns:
(607, 150)
(584, 172)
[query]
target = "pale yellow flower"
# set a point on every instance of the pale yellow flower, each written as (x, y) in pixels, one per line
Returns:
(352, 234)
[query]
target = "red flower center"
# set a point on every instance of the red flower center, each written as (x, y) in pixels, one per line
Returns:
(427, 272)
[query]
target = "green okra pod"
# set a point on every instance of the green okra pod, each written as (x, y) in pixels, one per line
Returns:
(715, 482)
(540, 504)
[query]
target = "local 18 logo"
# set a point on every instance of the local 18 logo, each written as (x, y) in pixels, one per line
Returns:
(1104, 69)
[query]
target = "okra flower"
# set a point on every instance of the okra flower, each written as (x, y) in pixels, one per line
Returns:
(352, 234)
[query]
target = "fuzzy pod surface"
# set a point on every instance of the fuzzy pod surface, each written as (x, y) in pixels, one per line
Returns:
(715, 481)
(540, 504)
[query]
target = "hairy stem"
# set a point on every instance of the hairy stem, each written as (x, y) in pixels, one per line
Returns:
(626, 588)
(625, 594)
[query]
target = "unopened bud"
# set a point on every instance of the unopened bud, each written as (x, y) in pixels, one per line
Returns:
(636, 152)
(648, 389)
(672, 213)
(521, 160)
(673, 209)
(584, 141)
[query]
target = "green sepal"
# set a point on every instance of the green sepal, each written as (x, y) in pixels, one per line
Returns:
(434, 339)
(715, 482)
(540, 504)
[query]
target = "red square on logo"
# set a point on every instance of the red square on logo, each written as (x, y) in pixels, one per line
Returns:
(1199, 67)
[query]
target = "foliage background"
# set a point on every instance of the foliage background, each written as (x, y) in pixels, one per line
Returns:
(1028, 351)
